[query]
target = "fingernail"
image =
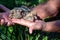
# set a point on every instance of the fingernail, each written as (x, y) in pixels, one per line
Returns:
(30, 32)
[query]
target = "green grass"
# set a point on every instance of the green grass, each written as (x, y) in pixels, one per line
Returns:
(17, 32)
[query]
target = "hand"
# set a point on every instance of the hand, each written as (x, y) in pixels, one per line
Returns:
(4, 16)
(37, 25)
(4, 19)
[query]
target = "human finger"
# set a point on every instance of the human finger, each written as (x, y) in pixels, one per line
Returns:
(9, 22)
(16, 20)
(30, 30)
(2, 21)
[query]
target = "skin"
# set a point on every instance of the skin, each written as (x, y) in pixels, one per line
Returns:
(52, 10)
(4, 15)
(48, 9)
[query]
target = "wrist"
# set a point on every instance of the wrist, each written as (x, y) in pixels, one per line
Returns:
(39, 25)
(43, 26)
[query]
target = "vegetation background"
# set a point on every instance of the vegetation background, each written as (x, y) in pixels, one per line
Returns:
(17, 32)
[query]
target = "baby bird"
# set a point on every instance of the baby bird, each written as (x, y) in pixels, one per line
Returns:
(23, 12)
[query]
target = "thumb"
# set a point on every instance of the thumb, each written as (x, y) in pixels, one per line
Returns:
(30, 30)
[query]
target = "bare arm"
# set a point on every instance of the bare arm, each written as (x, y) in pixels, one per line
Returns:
(53, 26)
(48, 9)
(6, 10)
